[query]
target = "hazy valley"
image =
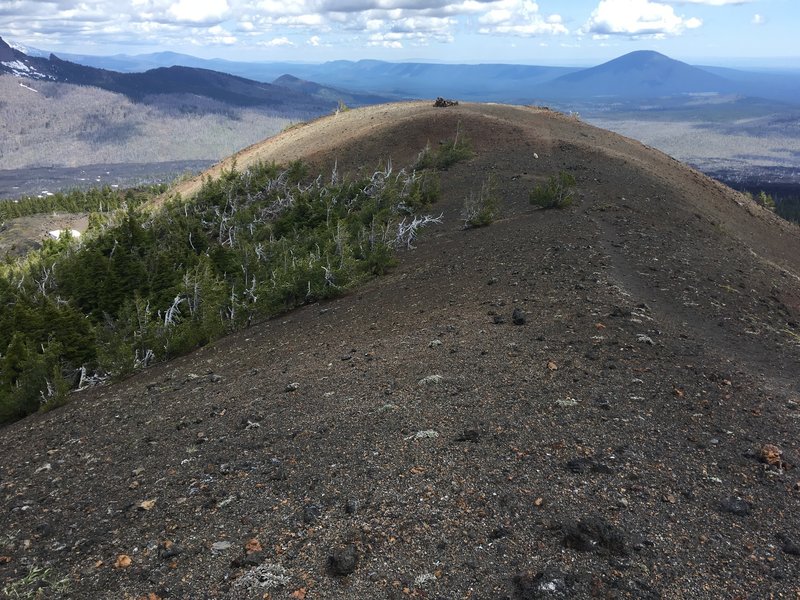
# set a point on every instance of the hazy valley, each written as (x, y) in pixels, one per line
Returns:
(48, 124)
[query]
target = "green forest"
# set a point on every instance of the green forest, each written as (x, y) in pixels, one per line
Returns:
(143, 286)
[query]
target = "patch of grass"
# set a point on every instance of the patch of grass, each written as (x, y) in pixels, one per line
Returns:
(556, 193)
(446, 155)
(38, 583)
(483, 209)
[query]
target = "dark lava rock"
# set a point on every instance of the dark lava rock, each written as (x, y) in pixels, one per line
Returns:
(500, 532)
(351, 506)
(586, 465)
(619, 311)
(311, 513)
(518, 317)
(790, 546)
(444, 102)
(595, 535)
(343, 561)
(248, 560)
(469, 435)
(735, 506)
(498, 320)
(170, 551)
(602, 402)
(544, 584)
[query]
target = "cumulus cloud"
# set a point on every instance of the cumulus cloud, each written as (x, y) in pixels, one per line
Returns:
(199, 11)
(277, 42)
(758, 19)
(637, 18)
(388, 23)
(519, 17)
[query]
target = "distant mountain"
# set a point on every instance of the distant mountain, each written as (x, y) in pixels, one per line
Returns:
(326, 93)
(177, 80)
(497, 82)
(125, 63)
(641, 74)
(632, 77)
(483, 82)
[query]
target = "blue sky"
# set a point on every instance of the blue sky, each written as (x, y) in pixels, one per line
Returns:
(565, 32)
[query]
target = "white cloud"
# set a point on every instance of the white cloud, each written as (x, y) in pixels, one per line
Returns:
(637, 18)
(713, 2)
(218, 35)
(758, 19)
(519, 17)
(277, 42)
(199, 11)
(384, 40)
(315, 41)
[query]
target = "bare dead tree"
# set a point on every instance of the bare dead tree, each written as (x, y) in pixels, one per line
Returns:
(141, 362)
(407, 230)
(173, 313)
(43, 284)
(335, 173)
(250, 292)
(86, 381)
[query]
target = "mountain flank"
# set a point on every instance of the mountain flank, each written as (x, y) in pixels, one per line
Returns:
(176, 80)
(597, 401)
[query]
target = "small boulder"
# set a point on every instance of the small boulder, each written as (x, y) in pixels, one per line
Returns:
(735, 506)
(343, 561)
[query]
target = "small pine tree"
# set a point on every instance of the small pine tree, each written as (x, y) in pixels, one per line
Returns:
(556, 193)
(766, 201)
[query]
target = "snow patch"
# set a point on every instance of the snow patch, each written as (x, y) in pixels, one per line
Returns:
(27, 49)
(56, 233)
(20, 69)
(17, 65)
(28, 87)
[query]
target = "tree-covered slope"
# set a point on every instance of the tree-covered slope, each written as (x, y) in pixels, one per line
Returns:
(147, 287)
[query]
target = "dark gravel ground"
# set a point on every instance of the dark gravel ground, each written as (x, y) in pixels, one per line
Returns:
(601, 401)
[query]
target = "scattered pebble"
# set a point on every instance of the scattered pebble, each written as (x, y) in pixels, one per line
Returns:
(220, 546)
(566, 402)
(431, 380)
(422, 435)
(421, 580)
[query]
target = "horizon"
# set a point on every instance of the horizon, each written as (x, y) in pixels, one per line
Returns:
(728, 33)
